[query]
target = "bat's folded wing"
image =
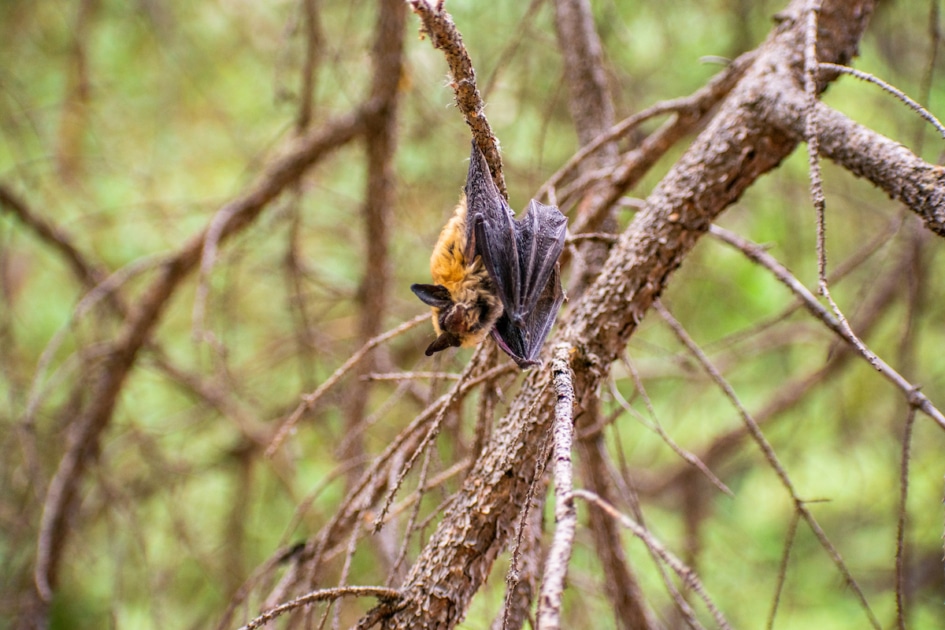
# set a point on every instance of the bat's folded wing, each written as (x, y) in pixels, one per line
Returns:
(521, 256)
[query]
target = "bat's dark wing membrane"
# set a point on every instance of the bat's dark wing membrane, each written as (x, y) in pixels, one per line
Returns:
(522, 258)
(523, 343)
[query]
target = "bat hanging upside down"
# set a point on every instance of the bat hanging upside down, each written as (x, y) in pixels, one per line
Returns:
(495, 274)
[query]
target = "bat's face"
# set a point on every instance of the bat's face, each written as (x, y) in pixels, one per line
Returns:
(464, 317)
(463, 299)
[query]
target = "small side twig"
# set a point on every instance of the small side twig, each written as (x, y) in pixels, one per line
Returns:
(782, 570)
(757, 253)
(768, 451)
(901, 525)
(899, 94)
(654, 425)
(322, 595)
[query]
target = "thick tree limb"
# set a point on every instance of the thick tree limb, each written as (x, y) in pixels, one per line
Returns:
(865, 153)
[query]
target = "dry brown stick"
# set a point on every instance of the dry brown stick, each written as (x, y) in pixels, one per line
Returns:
(369, 489)
(103, 286)
(108, 382)
(794, 390)
(620, 582)
(592, 111)
(559, 555)
(328, 594)
(590, 103)
(782, 569)
(314, 42)
(406, 376)
(899, 94)
(424, 488)
(692, 112)
(350, 549)
(515, 607)
(810, 135)
(452, 400)
(886, 163)
(901, 520)
(89, 274)
(410, 527)
(818, 198)
(657, 427)
(73, 123)
(438, 24)
(522, 584)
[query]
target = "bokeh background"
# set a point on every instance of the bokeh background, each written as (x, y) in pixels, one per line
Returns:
(128, 125)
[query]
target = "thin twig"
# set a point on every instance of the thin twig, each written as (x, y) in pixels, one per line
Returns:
(445, 404)
(535, 493)
(328, 594)
(810, 91)
(438, 24)
(782, 570)
(901, 524)
(757, 253)
(899, 94)
(404, 376)
(654, 425)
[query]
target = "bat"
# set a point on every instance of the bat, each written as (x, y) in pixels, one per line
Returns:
(495, 274)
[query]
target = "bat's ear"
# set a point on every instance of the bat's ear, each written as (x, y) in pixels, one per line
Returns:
(444, 341)
(435, 295)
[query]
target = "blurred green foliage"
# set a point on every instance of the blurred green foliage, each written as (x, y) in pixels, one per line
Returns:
(184, 104)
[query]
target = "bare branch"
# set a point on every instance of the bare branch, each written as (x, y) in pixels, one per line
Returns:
(865, 153)
(438, 24)
(327, 594)
(769, 455)
(869, 78)
(107, 384)
(901, 525)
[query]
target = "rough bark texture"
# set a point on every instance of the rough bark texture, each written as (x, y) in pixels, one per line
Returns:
(737, 147)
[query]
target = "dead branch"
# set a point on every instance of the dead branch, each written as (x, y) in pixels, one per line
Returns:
(438, 24)
(328, 594)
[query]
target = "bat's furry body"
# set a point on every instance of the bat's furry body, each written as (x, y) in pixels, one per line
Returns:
(493, 273)
(471, 290)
